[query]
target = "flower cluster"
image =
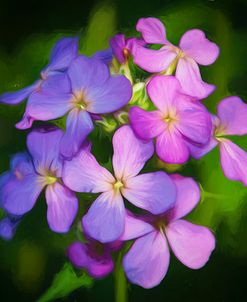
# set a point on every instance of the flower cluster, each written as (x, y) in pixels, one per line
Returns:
(160, 114)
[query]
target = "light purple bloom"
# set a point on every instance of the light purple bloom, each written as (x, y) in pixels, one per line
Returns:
(62, 54)
(30, 174)
(147, 261)
(230, 120)
(88, 89)
(8, 226)
(154, 192)
(178, 120)
(194, 48)
(122, 47)
(93, 256)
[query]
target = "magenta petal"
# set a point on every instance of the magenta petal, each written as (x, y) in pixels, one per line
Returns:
(25, 123)
(171, 147)
(195, 44)
(118, 44)
(16, 97)
(152, 30)
(147, 261)
(188, 74)
(130, 153)
(188, 196)
(153, 60)
(154, 192)
(83, 256)
(62, 207)
(232, 112)
(146, 124)
(163, 91)
(84, 174)
(105, 218)
(233, 161)
(44, 148)
(78, 125)
(135, 227)
(192, 244)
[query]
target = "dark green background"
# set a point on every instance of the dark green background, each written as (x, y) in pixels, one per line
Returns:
(27, 31)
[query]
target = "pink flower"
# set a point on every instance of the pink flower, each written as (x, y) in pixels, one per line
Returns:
(147, 261)
(194, 48)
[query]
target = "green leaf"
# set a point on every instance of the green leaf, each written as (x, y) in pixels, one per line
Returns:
(64, 283)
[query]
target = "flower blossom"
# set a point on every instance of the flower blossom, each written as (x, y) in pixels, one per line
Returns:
(147, 261)
(8, 226)
(177, 121)
(230, 120)
(62, 54)
(87, 89)
(105, 219)
(29, 174)
(93, 256)
(194, 48)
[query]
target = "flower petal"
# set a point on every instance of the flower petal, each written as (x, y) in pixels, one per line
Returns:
(192, 244)
(57, 82)
(153, 60)
(195, 44)
(78, 125)
(146, 124)
(105, 218)
(104, 55)
(163, 90)
(154, 192)
(232, 112)
(233, 161)
(188, 74)
(199, 151)
(16, 97)
(147, 261)
(135, 227)
(188, 196)
(109, 96)
(62, 207)
(84, 174)
(62, 54)
(118, 44)
(130, 153)
(152, 30)
(44, 145)
(8, 226)
(171, 147)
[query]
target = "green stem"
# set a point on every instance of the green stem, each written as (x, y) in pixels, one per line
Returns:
(121, 294)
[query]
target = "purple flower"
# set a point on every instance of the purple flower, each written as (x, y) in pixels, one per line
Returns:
(88, 89)
(122, 48)
(230, 120)
(8, 226)
(29, 174)
(64, 51)
(93, 256)
(177, 121)
(147, 261)
(154, 192)
(194, 48)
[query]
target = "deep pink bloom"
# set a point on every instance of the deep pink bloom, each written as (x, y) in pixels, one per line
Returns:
(194, 48)
(147, 261)
(231, 119)
(177, 120)
(154, 192)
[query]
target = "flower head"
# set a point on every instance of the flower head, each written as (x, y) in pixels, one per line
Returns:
(154, 192)
(177, 120)
(194, 48)
(8, 226)
(30, 174)
(147, 261)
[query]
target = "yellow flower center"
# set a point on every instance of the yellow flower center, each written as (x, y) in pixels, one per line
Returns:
(80, 100)
(50, 179)
(117, 185)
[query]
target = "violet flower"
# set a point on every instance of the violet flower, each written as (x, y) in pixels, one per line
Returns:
(87, 89)
(154, 192)
(93, 256)
(8, 226)
(230, 120)
(64, 51)
(30, 174)
(177, 120)
(147, 261)
(194, 48)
